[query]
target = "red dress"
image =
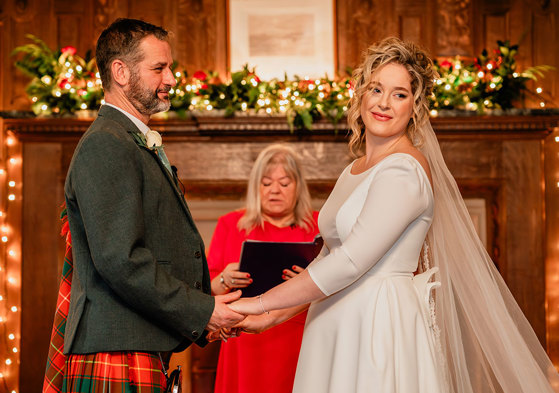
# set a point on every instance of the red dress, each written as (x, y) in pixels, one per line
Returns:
(256, 363)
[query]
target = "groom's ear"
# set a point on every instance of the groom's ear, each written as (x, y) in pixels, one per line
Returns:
(120, 72)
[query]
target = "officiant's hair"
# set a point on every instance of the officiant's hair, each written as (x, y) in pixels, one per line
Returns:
(269, 158)
(121, 41)
(422, 73)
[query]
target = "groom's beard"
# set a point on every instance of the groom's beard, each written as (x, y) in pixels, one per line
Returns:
(146, 101)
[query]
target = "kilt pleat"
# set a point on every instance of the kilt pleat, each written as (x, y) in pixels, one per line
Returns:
(113, 372)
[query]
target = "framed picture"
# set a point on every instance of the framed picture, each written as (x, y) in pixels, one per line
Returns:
(293, 37)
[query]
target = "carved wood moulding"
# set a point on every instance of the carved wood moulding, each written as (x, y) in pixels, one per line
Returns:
(491, 127)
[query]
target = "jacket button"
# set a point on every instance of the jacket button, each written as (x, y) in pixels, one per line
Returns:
(198, 285)
(195, 333)
(197, 254)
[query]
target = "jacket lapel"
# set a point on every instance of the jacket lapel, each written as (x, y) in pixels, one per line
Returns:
(125, 122)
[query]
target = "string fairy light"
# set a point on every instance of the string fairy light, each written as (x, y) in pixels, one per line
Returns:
(10, 265)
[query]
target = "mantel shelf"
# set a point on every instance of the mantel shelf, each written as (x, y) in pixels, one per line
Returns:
(492, 127)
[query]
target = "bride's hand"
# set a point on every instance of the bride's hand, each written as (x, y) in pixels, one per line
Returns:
(247, 306)
(256, 323)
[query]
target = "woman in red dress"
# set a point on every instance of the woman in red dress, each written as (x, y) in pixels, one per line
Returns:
(277, 208)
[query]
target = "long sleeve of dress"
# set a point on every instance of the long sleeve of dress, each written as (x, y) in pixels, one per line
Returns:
(397, 195)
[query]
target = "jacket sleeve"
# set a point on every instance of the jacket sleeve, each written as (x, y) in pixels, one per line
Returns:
(107, 184)
(395, 198)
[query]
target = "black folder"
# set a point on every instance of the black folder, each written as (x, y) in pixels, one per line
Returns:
(265, 261)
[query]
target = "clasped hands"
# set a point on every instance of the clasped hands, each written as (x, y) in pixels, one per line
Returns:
(233, 315)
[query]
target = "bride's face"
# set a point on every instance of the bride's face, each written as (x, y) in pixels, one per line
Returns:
(387, 106)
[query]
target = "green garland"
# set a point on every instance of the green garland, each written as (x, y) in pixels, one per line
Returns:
(64, 83)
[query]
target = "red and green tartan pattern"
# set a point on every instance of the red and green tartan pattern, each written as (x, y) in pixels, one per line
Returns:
(114, 372)
(56, 359)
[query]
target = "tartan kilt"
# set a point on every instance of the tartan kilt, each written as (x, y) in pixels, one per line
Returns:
(115, 372)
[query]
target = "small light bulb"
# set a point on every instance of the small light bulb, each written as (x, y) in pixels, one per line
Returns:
(8, 361)
(14, 309)
(13, 160)
(12, 183)
(4, 239)
(14, 350)
(557, 139)
(11, 336)
(12, 197)
(539, 90)
(12, 254)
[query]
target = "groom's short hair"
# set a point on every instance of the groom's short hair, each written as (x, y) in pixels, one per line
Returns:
(121, 41)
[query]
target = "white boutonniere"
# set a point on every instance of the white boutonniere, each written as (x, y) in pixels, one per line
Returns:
(153, 139)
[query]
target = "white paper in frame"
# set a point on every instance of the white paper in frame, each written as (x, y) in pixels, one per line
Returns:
(295, 37)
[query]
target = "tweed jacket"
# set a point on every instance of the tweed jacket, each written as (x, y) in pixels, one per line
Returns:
(141, 281)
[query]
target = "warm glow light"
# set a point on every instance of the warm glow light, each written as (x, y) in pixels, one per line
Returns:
(542, 104)
(489, 66)
(14, 309)
(13, 160)
(8, 361)
(11, 336)
(539, 90)
(12, 183)
(12, 254)
(480, 74)
(4, 239)
(10, 141)
(12, 197)
(14, 350)
(557, 139)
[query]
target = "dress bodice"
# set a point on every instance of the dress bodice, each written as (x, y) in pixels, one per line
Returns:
(374, 223)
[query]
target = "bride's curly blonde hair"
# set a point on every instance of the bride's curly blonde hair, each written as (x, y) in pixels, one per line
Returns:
(421, 70)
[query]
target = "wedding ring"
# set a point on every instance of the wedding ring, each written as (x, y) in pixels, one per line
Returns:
(232, 281)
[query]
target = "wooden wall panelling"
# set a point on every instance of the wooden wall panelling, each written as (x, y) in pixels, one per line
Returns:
(454, 27)
(524, 195)
(544, 28)
(552, 243)
(202, 35)
(42, 200)
(492, 23)
(414, 22)
(357, 29)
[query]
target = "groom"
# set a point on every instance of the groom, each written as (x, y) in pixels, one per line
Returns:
(141, 284)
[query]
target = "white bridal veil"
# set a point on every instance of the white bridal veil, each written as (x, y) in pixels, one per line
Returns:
(486, 342)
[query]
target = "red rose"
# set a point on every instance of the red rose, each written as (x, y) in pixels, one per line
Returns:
(68, 50)
(446, 64)
(204, 86)
(200, 75)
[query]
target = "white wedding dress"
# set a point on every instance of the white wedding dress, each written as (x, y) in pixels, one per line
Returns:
(373, 332)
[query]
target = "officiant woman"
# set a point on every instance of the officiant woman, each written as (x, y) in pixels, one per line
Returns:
(278, 208)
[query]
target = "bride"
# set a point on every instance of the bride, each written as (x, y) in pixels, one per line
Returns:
(372, 325)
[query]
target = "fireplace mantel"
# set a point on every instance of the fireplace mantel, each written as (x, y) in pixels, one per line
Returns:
(509, 162)
(505, 127)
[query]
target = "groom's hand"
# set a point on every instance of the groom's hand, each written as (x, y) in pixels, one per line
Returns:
(223, 316)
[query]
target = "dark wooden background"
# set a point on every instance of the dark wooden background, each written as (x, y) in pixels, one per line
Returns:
(516, 173)
(444, 27)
